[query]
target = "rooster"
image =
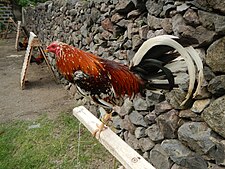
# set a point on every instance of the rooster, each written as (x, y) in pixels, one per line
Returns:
(108, 82)
(23, 45)
(38, 60)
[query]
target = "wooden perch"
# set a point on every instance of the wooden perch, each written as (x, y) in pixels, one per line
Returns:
(127, 156)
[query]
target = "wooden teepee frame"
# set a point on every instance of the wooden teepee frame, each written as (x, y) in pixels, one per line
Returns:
(33, 42)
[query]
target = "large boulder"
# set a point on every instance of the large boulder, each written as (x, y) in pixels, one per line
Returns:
(214, 115)
(215, 57)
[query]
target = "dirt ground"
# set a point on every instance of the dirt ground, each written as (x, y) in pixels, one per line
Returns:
(41, 94)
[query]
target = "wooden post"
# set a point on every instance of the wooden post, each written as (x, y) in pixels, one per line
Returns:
(127, 156)
(17, 35)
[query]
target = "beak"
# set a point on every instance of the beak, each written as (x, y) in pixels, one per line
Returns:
(46, 50)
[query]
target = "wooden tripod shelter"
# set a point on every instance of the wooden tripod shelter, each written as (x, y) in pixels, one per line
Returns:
(10, 25)
(33, 42)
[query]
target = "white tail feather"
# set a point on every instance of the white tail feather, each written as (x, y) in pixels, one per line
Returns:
(195, 56)
(189, 55)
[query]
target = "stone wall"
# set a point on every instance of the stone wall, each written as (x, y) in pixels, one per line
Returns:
(166, 134)
(5, 12)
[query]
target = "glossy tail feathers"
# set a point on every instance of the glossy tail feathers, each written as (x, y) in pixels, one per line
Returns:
(152, 57)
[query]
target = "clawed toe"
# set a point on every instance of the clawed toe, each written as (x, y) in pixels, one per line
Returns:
(99, 129)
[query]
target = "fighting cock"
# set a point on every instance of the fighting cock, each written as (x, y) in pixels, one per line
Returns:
(108, 82)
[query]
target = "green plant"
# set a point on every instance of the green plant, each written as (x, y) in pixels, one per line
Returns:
(29, 2)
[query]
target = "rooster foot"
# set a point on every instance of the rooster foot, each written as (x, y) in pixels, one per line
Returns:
(102, 126)
(99, 129)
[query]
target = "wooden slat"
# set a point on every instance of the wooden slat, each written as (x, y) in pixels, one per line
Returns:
(17, 35)
(48, 64)
(12, 21)
(35, 42)
(26, 60)
(127, 156)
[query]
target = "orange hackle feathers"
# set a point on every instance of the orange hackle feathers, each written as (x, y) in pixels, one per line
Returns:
(101, 71)
(71, 59)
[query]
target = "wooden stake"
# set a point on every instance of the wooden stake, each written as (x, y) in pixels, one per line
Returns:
(17, 35)
(127, 156)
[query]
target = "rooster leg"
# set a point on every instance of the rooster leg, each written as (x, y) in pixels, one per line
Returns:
(105, 120)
